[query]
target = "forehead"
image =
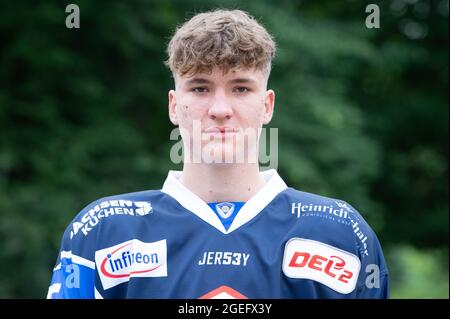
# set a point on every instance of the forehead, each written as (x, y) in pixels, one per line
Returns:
(216, 75)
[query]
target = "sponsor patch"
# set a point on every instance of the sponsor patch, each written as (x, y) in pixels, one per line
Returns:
(109, 208)
(133, 258)
(310, 259)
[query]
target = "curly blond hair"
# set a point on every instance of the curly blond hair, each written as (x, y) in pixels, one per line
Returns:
(227, 39)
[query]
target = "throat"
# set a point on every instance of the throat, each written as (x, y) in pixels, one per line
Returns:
(214, 186)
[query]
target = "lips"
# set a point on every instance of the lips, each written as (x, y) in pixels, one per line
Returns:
(221, 130)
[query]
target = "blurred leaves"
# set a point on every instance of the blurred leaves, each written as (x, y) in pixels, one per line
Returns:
(418, 274)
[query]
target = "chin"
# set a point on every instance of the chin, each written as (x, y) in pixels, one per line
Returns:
(225, 153)
(219, 153)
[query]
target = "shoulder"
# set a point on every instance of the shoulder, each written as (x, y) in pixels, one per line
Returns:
(336, 224)
(338, 221)
(305, 197)
(106, 221)
(121, 207)
(304, 202)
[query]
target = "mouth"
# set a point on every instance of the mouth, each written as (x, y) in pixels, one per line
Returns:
(221, 130)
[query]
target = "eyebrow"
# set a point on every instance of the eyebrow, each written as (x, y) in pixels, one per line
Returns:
(206, 81)
(198, 81)
(243, 80)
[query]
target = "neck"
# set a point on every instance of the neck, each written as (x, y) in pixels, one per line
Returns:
(223, 183)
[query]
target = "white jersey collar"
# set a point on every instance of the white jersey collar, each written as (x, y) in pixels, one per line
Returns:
(275, 185)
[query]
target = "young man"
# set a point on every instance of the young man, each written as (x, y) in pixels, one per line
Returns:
(220, 228)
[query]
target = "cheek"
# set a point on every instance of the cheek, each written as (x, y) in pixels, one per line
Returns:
(185, 111)
(254, 115)
(188, 113)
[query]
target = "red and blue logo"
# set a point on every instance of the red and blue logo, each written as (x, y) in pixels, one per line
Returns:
(134, 258)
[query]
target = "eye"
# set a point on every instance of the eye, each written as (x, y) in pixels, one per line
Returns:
(241, 89)
(200, 89)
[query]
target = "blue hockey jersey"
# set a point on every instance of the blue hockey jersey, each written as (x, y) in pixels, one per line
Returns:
(168, 243)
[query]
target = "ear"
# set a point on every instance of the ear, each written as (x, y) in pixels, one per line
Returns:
(269, 104)
(173, 107)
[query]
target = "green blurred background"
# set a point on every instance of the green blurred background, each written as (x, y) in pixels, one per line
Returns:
(362, 115)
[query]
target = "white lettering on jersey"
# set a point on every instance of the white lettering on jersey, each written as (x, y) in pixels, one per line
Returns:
(310, 259)
(344, 214)
(223, 258)
(298, 208)
(109, 208)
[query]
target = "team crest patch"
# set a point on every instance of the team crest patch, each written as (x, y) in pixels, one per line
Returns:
(225, 210)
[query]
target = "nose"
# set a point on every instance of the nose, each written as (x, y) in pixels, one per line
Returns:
(221, 108)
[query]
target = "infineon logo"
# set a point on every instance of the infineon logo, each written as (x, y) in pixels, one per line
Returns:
(133, 258)
(310, 259)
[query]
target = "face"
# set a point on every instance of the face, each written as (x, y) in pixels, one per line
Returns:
(220, 115)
